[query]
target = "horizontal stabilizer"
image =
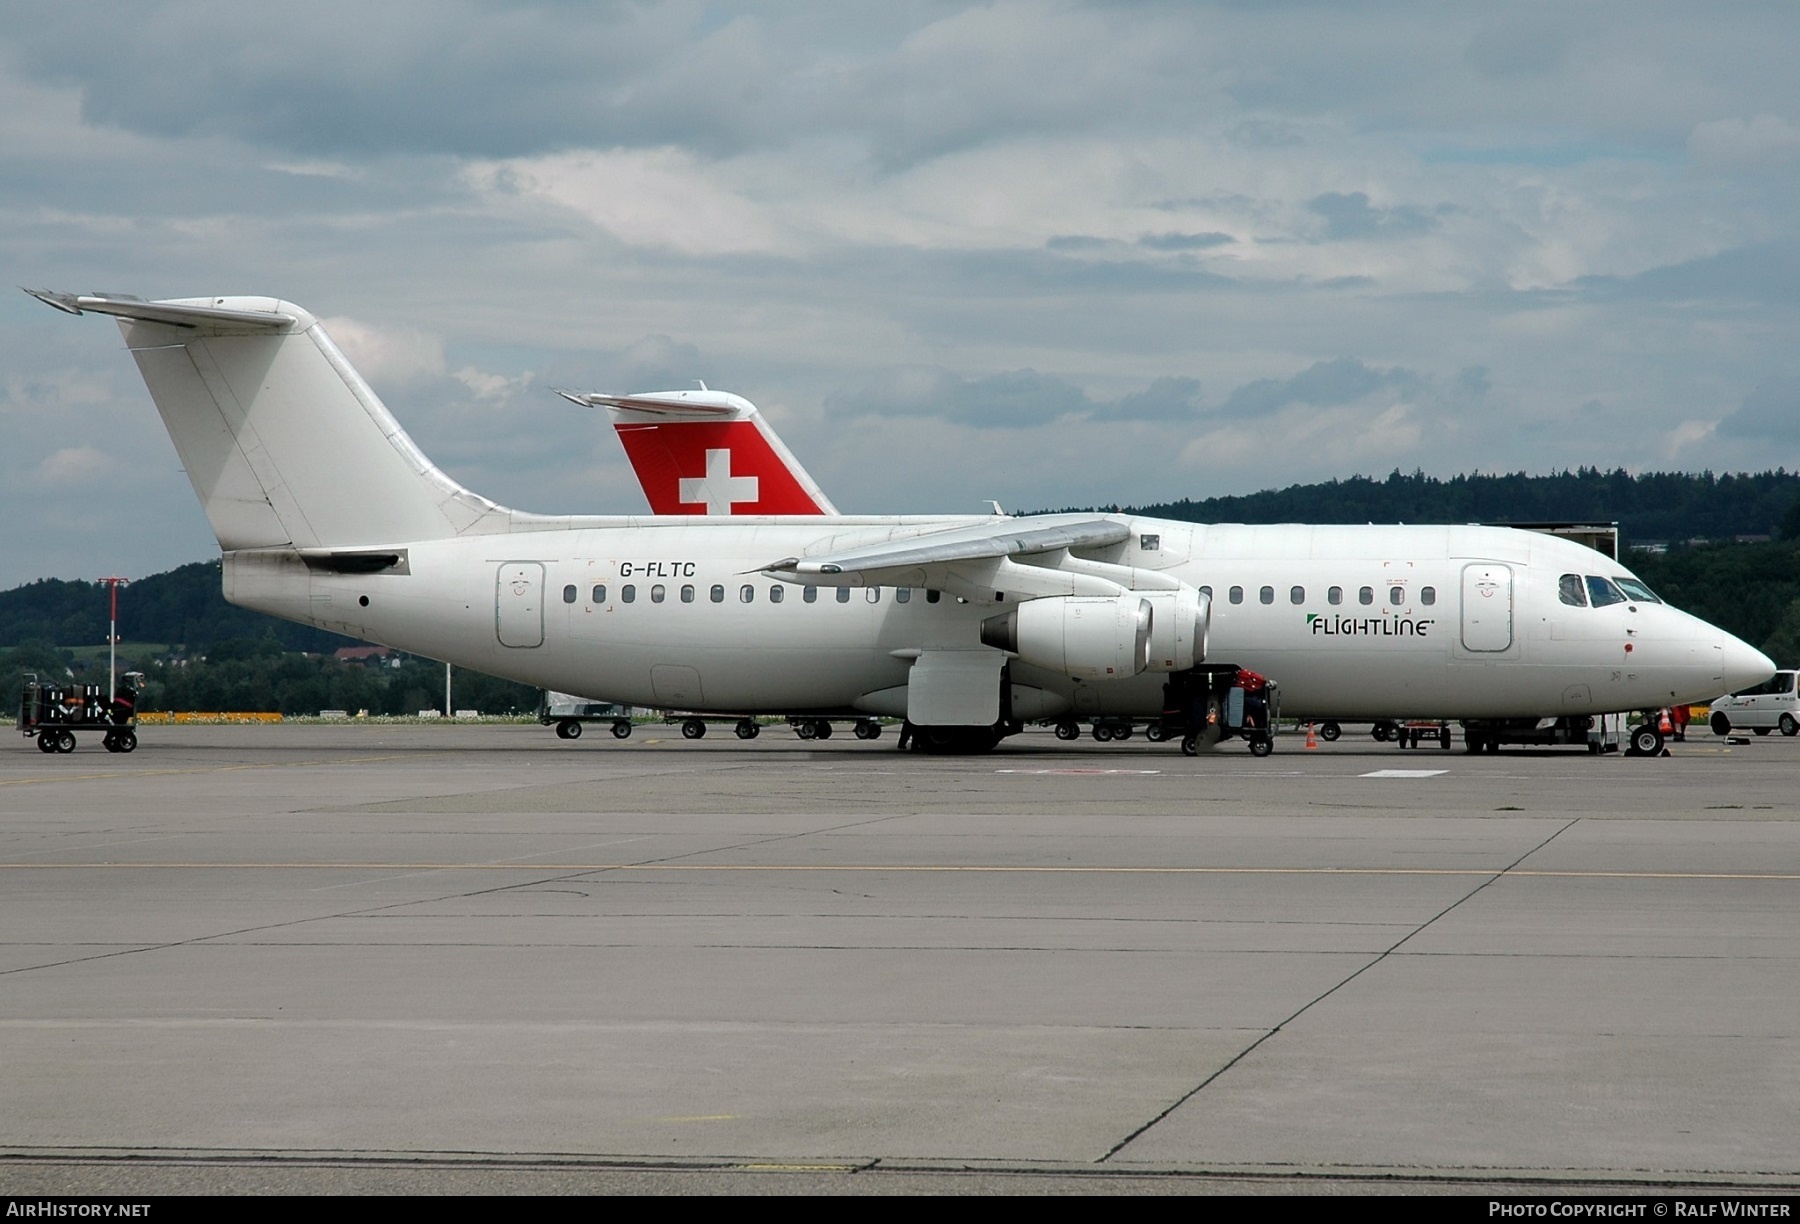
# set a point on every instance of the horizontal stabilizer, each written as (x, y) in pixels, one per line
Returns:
(702, 405)
(202, 313)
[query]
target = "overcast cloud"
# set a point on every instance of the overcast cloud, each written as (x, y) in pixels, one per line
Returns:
(1048, 253)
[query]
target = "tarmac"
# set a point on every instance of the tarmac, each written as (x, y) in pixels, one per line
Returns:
(480, 959)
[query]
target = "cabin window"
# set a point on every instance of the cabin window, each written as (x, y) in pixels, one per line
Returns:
(747, 593)
(569, 593)
(717, 593)
(628, 593)
(1267, 595)
(810, 594)
(843, 594)
(1297, 595)
(902, 594)
(933, 596)
(776, 593)
(1427, 595)
(1570, 590)
(600, 593)
(874, 594)
(687, 593)
(1235, 595)
(1206, 591)
(656, 593)
(1396, 595)
(1335, 595)
(1365, 595)
(1603, 592)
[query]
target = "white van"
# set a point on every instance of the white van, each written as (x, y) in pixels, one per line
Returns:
(1775, 703)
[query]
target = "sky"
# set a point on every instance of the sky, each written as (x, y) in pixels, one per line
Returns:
(1049, 254)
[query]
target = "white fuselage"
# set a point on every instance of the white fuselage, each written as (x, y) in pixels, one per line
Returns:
(1458, 621)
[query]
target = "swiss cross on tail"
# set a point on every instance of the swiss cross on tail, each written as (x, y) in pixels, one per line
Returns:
(708, 452)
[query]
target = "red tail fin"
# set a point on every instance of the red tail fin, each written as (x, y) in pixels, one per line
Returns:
(709, 452)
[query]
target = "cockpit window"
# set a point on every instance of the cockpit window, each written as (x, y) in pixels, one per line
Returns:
(1603, 592)
(1636, 590)
(1569, 587)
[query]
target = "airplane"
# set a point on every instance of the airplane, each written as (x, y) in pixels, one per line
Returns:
(967, 626)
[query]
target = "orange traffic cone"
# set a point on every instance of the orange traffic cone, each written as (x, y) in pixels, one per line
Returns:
(1665, 726)
(1312, 741)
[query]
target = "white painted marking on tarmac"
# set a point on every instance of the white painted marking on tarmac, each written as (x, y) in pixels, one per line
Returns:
(1404, 773)
(1078, 771)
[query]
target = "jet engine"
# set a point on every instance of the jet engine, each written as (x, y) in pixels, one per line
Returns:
(1077, 635)
(1180, 622)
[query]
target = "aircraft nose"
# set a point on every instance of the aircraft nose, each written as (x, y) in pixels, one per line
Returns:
(1744, 664)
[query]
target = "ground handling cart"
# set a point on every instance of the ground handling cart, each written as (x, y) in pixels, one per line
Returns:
(53, 713)
(1216, 701)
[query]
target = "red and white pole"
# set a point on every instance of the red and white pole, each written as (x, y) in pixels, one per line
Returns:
(112, 642)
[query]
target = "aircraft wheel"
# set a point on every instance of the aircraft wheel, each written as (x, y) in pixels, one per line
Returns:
(1646, 740)
(1383, 731)
(1329, 731)
(1261, 746)
(110, 743)
(693, 728)
(621, 730)
(127, 741)
(1103, 732)
(805, 730)
(1190, 744)
(822, 729)
(1444, 738)
(65, 741)
(46, 741)
(1720, 724)
(868, 729)
(747, 729)
(1068, 729)
(1122, 731)
(568, 728)
(1789, 727)
(1155, 734)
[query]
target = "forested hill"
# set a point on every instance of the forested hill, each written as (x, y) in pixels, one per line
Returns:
(183, 607)
(1664, 506)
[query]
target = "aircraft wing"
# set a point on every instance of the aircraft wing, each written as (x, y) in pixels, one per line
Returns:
(970, 560)
(173, 314)
(1004, 538)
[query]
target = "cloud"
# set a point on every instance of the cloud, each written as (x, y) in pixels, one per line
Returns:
(485, 386)
(76, 470)
(1166, 399)
(388, 356)
(1350, 216)
(660, 363)
(1011, 400)
(1323, 383)
(1184, 242)
(1770, 413)
(642, 197)
(1745, 142)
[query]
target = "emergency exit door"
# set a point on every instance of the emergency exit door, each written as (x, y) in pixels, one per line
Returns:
(519, 603)
(1487, 614)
